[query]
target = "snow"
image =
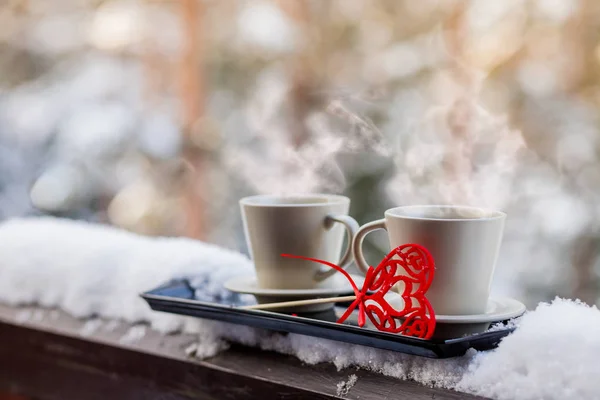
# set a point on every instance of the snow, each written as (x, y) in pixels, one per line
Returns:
(134, 334)
(93, 271)
(23, 316)
(90, 327)
(344, 386)
(111, 325)
(552, 355)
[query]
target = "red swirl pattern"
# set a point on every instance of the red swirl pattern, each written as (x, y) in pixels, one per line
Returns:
(411, 268)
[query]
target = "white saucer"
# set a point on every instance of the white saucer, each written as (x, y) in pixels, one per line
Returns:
(249, 285)
(499, 309)
(455, 326)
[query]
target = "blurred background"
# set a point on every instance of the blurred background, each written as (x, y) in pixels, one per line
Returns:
(158, 115)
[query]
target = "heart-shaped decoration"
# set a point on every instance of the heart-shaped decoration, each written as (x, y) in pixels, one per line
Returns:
(410, 267)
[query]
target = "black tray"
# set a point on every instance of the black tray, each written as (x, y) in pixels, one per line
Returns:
(178, 297)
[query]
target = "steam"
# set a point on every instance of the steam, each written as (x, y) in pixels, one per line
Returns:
(271, 160)
(458, 153)
(285, 170)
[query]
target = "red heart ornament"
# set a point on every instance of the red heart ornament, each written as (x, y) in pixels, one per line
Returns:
(411, 267)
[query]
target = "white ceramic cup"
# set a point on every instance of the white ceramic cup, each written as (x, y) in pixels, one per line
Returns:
(305, 225)
(464, 243)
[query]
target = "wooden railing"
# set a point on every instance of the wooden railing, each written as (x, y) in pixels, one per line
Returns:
(48, 358)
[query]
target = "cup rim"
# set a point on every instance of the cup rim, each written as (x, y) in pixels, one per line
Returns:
(492, 214)
(262, 200)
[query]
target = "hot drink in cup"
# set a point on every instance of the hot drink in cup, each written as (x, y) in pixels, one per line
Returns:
(307, 225)
(464, 242)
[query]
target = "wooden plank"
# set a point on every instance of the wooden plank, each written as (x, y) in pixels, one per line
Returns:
(50, 359)
(9, 396)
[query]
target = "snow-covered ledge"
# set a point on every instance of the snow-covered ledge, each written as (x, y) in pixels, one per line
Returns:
(89, 271)
(47, 354)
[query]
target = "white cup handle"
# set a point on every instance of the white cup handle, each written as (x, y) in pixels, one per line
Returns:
(359, 257)
(351, 227)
